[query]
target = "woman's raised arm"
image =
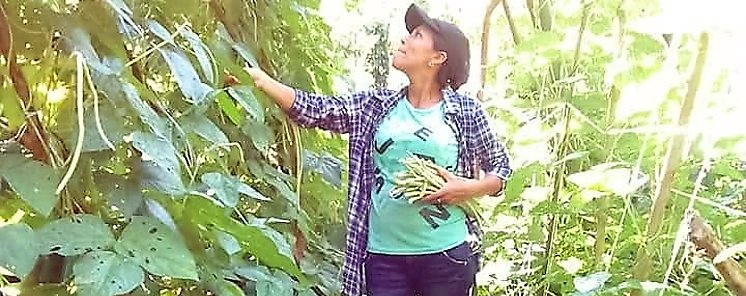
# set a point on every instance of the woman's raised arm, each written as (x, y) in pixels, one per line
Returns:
(332, 113)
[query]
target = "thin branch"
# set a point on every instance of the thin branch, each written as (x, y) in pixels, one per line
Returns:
(511, 23)
(485, 46)
(671, 165)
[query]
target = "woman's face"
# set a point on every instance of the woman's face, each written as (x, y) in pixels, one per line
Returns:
(417, 51)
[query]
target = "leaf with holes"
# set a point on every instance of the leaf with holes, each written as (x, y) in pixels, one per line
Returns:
(160, 166)
(252, 238)
(260, 134)
(18, 252)
(227, 188)
(120, 192)
(145, 112)
(152, 245)
(75, 235)
(103, 273)
(280, 285)
(247, 100)
(39, 191)
(186, 77)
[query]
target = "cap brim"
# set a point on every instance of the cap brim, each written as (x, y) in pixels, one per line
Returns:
(416, 17)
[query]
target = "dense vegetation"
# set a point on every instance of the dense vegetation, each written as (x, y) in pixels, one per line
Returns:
(137, 158)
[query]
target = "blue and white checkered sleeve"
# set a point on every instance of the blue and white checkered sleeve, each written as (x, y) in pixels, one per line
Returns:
(493, 157)
(332, 113)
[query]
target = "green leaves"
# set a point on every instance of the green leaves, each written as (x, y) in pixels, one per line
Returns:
(227, 188)
(186, 77)
(202, 126)
(156, 248)
(201, 52)
(251, 238)
(39, 191)
(75, 235)
(328, 166)
(608, 178)
(591, 282)
(160, 163)
(104, 273)
(18, 250)
(267, 283)
(247, 101)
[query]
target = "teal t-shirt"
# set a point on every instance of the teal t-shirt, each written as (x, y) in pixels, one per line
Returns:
(396, 226)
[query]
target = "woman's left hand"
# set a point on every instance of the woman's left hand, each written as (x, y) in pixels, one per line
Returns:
(455, 191)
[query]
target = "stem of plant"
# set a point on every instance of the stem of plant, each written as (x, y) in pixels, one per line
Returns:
(672, 162)
(559, 173)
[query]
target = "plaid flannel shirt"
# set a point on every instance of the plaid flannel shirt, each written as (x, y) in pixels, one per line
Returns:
(358, 115)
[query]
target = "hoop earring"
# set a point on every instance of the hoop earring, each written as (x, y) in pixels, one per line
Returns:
(430, 64)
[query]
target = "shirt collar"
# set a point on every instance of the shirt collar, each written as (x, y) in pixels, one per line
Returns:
(450, 97)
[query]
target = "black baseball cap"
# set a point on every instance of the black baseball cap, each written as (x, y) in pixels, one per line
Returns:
(448, 38)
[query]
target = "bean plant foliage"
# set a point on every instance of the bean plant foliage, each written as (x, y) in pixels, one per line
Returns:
(137, 157)
(588, 108)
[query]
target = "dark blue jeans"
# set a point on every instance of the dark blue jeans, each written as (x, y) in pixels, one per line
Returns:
(448, 273)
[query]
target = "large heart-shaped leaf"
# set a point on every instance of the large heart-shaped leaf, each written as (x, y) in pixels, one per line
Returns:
(328, 166)
(18, 250)
(247, 100)
(280, 285)
(251, 237)
(202, 126)
(75, 235)
(146, 114)
(186, 77)
(115, 127)
(122, 193)
(104, 273)
(227, 188)
(152, 245)
(152, 176)
(160, 166)
(38, 191)
(201, 52)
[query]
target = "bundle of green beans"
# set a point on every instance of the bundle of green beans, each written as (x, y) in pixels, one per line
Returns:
(421, 178)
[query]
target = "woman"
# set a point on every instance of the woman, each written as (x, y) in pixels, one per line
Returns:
(393, 247)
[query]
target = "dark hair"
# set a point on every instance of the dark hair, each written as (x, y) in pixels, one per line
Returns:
(455, 70)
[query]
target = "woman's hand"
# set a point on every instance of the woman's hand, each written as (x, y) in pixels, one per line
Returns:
(455, 191)
(458, 190)
(282, 94)
(260, 77)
